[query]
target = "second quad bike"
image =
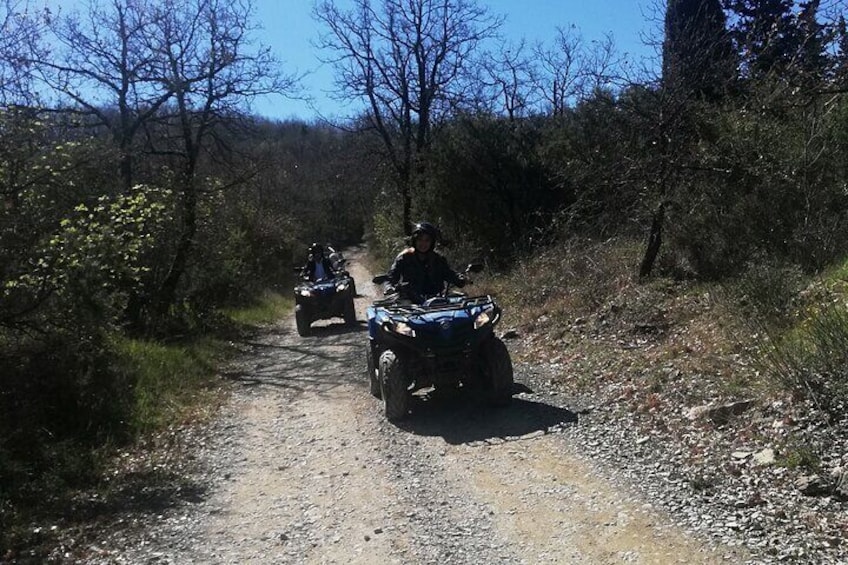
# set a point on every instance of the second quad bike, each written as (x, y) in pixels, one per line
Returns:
(445, 341)
(324, 299)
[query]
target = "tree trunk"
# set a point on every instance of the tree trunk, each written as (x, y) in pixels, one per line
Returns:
(654, 242)
(407, 209)
(126, 168)
(168, 290)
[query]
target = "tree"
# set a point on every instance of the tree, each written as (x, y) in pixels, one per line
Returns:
(104, 69)
(507, 74)
(697, 52)
(765, 35)
(813, 61)
(488, 186)
(209, 64)
(180, 71)
(698, 71)
(20, 43)
(841, 57)
(408, 60)
(571, 70)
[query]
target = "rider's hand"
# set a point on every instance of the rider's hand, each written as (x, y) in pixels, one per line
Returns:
(389, 289)
(462, 281)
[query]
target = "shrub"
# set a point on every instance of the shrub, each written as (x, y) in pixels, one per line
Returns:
(803, 334)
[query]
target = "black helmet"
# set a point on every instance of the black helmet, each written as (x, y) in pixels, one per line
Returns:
(429, 229)
(316, 248)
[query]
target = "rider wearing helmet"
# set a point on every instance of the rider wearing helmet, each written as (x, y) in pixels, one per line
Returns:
(335, 256)
(317, 266)
(424, 271)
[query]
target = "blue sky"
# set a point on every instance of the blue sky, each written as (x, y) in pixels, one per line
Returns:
(289, 29)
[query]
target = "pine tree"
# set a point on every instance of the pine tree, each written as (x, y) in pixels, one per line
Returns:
(813, 61)
(765, 35)
(840, 70)
(698, 54)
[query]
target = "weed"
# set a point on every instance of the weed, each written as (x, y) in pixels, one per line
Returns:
(800, 328)
(796, 455)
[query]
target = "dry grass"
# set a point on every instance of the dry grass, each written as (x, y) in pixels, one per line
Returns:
(651, 344)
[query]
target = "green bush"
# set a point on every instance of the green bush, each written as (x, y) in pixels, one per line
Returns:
(488, 188)
(769, 178)
(387, 238)
(803, 330)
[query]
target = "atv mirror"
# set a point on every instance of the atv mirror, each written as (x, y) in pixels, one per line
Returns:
(474, 268)
(380, 279)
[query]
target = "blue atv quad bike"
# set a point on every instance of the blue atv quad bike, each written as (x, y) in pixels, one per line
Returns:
(324, 299)
(447, 341)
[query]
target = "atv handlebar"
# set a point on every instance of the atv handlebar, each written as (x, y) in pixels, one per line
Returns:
(403, 288)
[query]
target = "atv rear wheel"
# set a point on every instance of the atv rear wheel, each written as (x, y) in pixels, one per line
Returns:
(394, 388)
(373, 375)
(350, 312)
(497, 367)
(302, 322)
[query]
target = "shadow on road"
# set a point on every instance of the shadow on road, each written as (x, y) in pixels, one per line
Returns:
(147, 492)
(336, 328)
(462, 418)
(318, 362)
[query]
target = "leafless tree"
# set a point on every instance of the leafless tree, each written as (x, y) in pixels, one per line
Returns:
(102, 67)
(408, 60)
(508, 74)
(571, 70)
(210, 64)
(20, 43)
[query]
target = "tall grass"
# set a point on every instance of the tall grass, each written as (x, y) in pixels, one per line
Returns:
(176, 382)
(171, 382)
(269, 307)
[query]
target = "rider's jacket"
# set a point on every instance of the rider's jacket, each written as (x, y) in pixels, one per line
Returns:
(425, 273)
(308, 271)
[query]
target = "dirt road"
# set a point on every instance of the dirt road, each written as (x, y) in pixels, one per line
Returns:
(305, 469)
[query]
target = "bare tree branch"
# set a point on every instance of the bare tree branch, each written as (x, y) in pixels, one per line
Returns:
(409, 62)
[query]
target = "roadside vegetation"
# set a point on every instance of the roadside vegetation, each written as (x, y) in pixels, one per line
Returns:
(678, 237)
(770, 331)
(149, 391)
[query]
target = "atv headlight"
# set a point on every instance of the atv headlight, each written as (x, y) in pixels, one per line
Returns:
(341, 287)
(402, 328)
(305, 292)
(482, 319)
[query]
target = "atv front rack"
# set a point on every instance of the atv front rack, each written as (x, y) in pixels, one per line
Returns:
(403, 306)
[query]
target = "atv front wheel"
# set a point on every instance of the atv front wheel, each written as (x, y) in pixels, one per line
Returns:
(393, 386)
(497, 367)
(302, 322)
(373, 375)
